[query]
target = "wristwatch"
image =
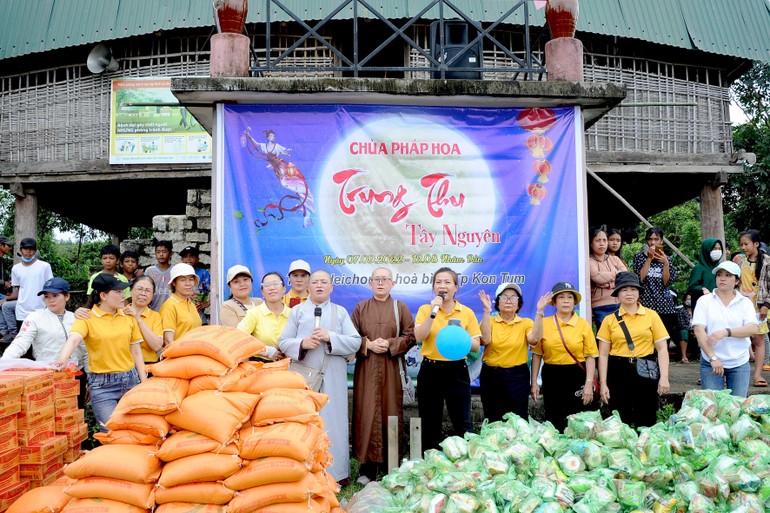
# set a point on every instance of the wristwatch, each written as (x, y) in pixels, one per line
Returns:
(714, 358)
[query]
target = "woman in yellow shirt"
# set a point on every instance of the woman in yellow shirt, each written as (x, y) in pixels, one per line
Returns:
(267, 320)
(441, 380)
(628, 368)
(112, 340)
(505, 337)
(179, 313)
(150, 322)
(568, 348)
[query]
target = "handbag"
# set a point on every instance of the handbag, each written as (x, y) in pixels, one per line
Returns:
(314, 377)
(579, 393)
(645, 368)
(407, 385)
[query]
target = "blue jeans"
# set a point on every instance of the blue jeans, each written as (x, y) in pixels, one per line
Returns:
(600, 312)
(8, 324)
(106, 390)
(737, 378)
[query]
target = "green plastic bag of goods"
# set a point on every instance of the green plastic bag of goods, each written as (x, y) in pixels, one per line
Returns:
(498, 434)
(580, 484)
(688, 415)
(659, 501)
(549, 467)
(656, 475)
(549, 507)
(686, 491)
(701, 504)
(511, 494)
(571, 463)
(702, 400)
(728, 406)
(700, 458)
(564, 495)
(543, 487)
(454, 447)
(396, 480)
(613, 433)
(530, 504)
(756, 405)
(740, 478)
(745, 503)
(605, 478)
(683, 471)
(744, 429)
(451, 482)
(495, 463)
(653, 448)
(373, 498)
(523, 455)
(714, 435)
(461, 503)
(583, 425)
(592, 454)
(596, 500)
(477, 446)
(764, 421)
(435, 462)
(631, 494)
(712, 485)
(549, 439)
(623, 461)
(680, 438)
(520, 426)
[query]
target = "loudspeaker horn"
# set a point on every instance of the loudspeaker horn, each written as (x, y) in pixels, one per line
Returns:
(101, 59)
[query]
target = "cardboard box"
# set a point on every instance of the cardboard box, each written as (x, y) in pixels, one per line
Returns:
(44, 451)
(34, 379)
(10, 479)
(67, 388)
(65, 404)
(78, 435)
(9, 441)
(9, 461)
(40, 471)
(62, 376)
(33, 418)
(10, 406)
(47, 481)
(38, 399)
(10, 385)
(37, 434)
(10, 495)
(68, 421)
(72, 454)
(9, 424)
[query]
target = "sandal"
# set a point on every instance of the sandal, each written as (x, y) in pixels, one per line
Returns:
(760, 382)
(766, 367)
(685, 361)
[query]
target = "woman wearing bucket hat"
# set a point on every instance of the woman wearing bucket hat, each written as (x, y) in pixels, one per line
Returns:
(724, 323)
(628, 342)
(567, 346)
(505, 337)
(179, 313)
(113, 341)
(241, 285)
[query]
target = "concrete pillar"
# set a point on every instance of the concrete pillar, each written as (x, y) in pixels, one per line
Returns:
(26, 218)
(711, 213)
(229, 55)
(564, 59)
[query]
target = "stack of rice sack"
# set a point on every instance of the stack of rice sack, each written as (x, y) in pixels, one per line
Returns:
(210, 432)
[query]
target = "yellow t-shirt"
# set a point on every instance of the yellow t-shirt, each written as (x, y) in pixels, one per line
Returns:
(154, 321)
(508, 347)
(264, 325)
(578, 336)
(293, 295)
(467, 321)
(108, 338)
(645, 328)
(179, 316)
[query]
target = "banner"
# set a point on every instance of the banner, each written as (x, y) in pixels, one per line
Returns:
(495, 194)
(147, 125)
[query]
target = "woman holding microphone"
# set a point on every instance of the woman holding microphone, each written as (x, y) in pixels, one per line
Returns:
(441, 380)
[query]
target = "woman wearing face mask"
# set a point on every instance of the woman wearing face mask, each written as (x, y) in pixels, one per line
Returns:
(179, 313)
(441, 380)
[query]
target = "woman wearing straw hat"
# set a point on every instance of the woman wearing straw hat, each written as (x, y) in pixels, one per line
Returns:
(566, 343)
(179, 313)
(724, 323)
(505, 337)
(628, 343)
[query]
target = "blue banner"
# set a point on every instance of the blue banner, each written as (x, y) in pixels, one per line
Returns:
(496, 194)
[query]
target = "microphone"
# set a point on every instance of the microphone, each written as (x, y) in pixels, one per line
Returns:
(435, 308)
(317, 314)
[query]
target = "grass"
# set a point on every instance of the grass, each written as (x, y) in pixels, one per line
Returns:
(353, 488)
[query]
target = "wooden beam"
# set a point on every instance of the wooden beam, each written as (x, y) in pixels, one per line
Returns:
(95, 170)
(601, 167)
(669, 159)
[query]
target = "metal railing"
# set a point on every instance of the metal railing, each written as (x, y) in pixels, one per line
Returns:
(438, 63)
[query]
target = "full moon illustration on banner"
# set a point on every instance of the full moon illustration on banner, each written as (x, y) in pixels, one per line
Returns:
(398, 177)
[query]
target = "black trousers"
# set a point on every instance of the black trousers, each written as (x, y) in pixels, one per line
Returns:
(503, 390)
(561, 384)
(442, 382)
(634, 397)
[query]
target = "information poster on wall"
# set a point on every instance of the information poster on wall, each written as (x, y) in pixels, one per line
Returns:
(495, 194)
(147, 125)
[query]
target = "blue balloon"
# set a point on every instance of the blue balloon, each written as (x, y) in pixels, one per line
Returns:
(453, 342)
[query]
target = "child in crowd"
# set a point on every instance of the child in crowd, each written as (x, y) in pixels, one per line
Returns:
(191, 255)
(110, 255)
(129, 265)
(161, 272)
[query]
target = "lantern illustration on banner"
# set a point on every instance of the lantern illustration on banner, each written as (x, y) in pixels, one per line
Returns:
(539, 145)
(542, 168)
(536, 193)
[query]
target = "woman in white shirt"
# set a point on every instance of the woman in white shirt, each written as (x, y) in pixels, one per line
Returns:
(723, 323)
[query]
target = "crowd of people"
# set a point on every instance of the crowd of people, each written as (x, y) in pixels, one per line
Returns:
(621, 361)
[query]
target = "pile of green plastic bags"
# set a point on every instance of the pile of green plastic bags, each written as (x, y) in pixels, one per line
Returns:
(711, 456)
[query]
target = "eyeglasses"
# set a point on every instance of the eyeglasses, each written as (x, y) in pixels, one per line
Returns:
(380, 280)
(320, 282)
(271, 284)
(509, 299)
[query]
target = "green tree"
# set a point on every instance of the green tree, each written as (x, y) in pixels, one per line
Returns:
(746, 197)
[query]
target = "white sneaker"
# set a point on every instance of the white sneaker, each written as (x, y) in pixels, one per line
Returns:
(363, 480)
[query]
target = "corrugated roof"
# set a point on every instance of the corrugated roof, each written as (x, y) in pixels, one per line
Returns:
(738, 28)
